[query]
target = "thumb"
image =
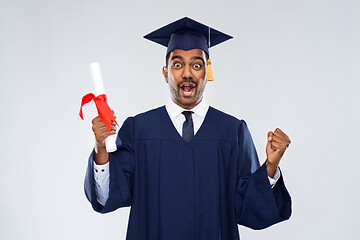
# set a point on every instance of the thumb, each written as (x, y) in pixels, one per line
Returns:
(268, 145)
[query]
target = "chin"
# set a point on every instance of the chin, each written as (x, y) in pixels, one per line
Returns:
(188, 102)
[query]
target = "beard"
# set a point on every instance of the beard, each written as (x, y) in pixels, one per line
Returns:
(183, 100)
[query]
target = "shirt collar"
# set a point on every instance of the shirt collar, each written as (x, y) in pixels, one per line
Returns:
(174, 110)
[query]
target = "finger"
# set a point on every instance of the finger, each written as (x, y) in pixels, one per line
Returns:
(98, 123)
(103, 135)
(95, 120)
(280, 132)
(268, 145)
(270, 136)
(105, 129)
(101, 131)
(106, 133)
(278, 146)
(280, 139)
(278, 153)
(99, 127)
(113, 113)
(113, 125)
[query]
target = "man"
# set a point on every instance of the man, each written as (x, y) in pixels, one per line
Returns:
(187, 170)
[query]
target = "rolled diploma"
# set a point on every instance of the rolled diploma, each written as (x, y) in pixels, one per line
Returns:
(96, 76)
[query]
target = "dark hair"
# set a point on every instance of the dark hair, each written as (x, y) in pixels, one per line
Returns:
(168, 55)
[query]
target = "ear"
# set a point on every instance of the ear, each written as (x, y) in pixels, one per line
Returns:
(165, 73)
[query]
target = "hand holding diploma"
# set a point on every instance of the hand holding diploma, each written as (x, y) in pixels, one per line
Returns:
(101, 132)
(104, 125)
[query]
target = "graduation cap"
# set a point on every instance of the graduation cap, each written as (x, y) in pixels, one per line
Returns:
(186, 34)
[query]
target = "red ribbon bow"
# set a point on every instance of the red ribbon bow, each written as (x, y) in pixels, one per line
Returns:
(102, 107)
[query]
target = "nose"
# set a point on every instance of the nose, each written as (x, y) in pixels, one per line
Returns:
(187, 72)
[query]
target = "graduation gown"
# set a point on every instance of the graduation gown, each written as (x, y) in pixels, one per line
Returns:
(198, 190)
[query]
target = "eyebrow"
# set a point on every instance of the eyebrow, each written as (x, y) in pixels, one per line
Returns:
(179, 57)
(196, 58)
(193, 58)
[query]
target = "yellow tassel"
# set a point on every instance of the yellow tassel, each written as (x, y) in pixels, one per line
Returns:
(209, 73)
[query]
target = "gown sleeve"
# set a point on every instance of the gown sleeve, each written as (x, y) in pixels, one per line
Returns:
(122, 169)
(257, 205)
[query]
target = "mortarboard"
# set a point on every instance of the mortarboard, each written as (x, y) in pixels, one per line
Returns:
(188, 34)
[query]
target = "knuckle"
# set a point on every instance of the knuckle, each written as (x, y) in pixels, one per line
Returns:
(96, 118)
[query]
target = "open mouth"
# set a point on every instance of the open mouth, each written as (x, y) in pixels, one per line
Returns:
(187, 88)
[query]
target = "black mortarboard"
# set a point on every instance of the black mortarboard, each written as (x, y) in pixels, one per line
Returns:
(186, 34)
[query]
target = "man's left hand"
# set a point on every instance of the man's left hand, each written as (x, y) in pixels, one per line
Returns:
(277, 143)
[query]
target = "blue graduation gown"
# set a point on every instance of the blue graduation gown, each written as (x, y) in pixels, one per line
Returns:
(189, 191)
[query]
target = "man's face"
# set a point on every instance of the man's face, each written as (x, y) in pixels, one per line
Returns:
(185, 75)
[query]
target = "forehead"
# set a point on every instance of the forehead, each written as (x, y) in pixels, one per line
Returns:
(187, 54)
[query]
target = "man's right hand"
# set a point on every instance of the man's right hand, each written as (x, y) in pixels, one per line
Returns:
(101, 133)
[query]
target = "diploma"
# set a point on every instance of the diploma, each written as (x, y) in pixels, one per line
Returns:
(97, 80)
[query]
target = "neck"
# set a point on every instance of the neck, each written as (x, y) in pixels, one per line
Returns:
(187, 107)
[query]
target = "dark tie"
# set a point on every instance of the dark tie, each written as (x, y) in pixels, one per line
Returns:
(188, 126)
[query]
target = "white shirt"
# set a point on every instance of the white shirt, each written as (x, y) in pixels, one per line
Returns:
(177, 118)
(101, 172)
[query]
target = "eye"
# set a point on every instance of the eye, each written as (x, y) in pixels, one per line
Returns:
(177, 65)
(197, 66)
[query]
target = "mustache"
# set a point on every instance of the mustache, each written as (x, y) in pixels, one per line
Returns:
(187, 80)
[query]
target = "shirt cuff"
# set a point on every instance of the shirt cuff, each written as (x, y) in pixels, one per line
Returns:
(275, 178)
(102, 178)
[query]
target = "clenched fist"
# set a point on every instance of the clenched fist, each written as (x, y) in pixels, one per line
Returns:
(277, 143)
(101, 132)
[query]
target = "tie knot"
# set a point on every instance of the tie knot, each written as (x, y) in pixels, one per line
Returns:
(188, 114)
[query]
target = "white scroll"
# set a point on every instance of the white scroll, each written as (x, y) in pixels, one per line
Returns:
(97, 80)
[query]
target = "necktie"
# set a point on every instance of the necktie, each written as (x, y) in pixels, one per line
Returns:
(188, 126)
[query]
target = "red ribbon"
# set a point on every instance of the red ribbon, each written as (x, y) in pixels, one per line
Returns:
(102, 107)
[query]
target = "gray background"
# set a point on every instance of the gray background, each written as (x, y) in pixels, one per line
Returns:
(291, 64)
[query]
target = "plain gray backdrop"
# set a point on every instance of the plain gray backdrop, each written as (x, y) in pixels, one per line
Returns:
(291, 64)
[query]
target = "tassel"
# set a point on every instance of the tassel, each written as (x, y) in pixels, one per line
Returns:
(209, 73)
